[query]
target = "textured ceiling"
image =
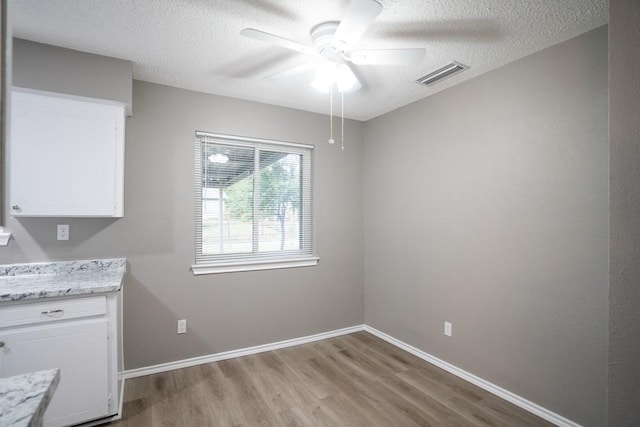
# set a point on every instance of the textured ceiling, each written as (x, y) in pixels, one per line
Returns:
(195, 44)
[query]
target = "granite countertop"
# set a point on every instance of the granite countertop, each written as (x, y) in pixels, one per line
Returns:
(33, 281)
(24, 398)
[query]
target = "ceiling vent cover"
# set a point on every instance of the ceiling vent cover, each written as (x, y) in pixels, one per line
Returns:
(442, 73)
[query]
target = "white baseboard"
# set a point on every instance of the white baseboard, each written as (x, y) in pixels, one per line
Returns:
(216, 357)
(521, 402)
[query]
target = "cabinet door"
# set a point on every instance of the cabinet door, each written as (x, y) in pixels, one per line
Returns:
(79, 350)
(66, 157)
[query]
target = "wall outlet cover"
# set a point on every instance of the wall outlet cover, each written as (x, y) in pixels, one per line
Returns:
(63, 231)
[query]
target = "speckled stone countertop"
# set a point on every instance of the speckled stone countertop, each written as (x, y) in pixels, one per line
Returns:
(33, 281)
(24, 398)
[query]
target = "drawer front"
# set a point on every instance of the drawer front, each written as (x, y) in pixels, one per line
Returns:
(52, 311)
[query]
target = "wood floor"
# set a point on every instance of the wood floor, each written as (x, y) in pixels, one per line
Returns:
(351, 380)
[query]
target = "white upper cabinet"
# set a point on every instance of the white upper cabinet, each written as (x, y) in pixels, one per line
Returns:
(66, 156)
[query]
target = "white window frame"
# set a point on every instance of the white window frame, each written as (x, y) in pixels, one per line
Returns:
(228, 263)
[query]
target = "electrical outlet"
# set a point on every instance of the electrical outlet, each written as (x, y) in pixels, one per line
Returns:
(448, 329)
(182, 326)
(63, 231)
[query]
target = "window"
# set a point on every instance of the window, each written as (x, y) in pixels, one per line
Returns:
(253, 204)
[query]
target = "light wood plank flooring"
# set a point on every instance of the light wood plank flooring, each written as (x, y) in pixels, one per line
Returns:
(351, 380)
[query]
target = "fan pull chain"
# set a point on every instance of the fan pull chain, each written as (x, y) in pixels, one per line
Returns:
(331, 141)
(342, 118)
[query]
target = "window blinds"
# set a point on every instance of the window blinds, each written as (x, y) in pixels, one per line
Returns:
(253, 204)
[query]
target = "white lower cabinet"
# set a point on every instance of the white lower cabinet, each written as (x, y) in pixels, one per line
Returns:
(74, 335)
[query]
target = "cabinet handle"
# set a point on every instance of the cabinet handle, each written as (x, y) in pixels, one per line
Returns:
(15, 207)
(52, 312)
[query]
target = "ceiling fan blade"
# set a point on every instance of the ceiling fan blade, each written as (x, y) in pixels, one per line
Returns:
(360, 16)
(289, 72)
(388, 56)
(277, 40)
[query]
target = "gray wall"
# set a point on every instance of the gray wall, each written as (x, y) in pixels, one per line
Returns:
(223, 311)
(496, 220)
(624, 292)
(56, 69)
(487, 205)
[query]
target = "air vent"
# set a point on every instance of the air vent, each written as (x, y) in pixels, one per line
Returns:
(442, 73)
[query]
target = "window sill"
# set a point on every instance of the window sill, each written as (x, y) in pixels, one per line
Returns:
(233, 267)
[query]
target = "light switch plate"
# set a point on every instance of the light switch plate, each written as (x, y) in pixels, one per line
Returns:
(182, 326)
(448, 329)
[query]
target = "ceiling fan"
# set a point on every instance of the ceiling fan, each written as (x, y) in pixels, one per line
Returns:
(332, 46)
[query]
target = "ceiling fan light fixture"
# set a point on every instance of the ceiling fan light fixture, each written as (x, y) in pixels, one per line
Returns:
(346, 81)
(329, 73)
(325, 76)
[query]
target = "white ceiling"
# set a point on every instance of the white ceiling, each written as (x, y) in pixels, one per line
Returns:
(195, 44)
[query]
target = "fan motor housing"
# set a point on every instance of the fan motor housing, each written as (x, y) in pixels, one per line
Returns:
(323, 34)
